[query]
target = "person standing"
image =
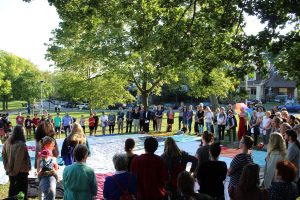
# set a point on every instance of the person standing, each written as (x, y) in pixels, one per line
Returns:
(104, 122)
(16, 162)
(266, 127)
(209, 116)
(129, 120)
(243, 118)
(151, 172)
(91, 124)
(96, 123)
(142, 120)
(120, 120)
(231, 126)
(129, 146)
(35, 122)
(20, 119)
(28, 126)
(57, 125)
(200, 117)
(276, 152)
(189, 118)
(159, 115)
(239, 161)
(147, 117)
(215, 121)
(111, 122)
(212, 174)
(82, 123)
(79, 180)
(254, 125)
(153, 117)
(67, 121)
(170, 119)
(136, 119)
(221, 123)
(180, 111)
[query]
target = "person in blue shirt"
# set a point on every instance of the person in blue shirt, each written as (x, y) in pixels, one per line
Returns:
(67, 121)
(114, 186)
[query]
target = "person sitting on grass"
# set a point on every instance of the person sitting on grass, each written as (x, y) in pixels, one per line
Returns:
(240, 161)
(186, 185)
(79, 180)
(248, 187)
(122, 183)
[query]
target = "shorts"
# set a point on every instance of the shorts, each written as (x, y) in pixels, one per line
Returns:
(57, 129)
(91, 128)
(95, 127)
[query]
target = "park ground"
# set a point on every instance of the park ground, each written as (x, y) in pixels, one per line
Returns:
(14, 107)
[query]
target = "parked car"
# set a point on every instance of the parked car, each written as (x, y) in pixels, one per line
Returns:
(291, 107)
(83, 106)
(281, 98)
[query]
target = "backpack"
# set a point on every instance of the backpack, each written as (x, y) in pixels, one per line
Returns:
(126, 195)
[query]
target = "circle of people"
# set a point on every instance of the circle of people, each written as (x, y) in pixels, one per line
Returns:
(149, 176)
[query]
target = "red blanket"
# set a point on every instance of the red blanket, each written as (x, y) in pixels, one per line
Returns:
(100, 179)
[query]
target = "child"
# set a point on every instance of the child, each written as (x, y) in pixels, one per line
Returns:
(47, 169)
(28, 123)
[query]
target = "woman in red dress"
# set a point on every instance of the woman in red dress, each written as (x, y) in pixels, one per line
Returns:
(242, 123)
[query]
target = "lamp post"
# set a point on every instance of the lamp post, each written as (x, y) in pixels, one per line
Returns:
(42, 108)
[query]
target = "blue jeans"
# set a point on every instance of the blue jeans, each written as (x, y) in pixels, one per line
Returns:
(47, 188)
(200, 128)
(208, 124)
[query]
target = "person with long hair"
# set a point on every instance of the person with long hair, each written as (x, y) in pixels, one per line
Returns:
(292, 120)
(293, 153)
(215, 121)
(248, 187)
(283, 188)
(240, 161)
(212, 174)
(159, 116)
(189, 118)
(45, 128)
(186, 185)
(16, 162)
(76, 137)
(276, 152)
(209, 116)
(243, 118)
(170, 119)
(221, 117)
(176, 161)
(266, 127)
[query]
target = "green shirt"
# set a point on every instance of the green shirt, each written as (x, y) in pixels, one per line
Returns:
(79, 182)
(57, 121)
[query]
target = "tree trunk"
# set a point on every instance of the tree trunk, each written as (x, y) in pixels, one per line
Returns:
(6, 104)
(145, 97)
(214, 101)
(3, 105)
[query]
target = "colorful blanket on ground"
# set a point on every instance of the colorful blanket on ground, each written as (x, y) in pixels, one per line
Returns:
(100, 180)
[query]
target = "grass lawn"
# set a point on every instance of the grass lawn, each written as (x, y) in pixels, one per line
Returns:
(14, 105)
(4, 188)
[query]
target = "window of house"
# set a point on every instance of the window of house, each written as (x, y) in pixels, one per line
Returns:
(253, 91)
(283, 90)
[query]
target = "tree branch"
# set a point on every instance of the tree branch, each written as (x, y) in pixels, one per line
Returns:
(240, 18)
(183, 14)
(194, 15)
(154, 85)
(136, 83)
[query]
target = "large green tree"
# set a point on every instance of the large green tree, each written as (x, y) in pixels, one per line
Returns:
(12, 71)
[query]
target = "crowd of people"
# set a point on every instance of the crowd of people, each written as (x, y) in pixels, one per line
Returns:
(150, 176)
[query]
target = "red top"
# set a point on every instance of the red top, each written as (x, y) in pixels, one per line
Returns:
(20, 120)
(152, 176)
(36, 121)
(242, 129)
(91, 121)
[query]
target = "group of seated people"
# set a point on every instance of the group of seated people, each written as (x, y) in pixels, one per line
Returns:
(152, 177)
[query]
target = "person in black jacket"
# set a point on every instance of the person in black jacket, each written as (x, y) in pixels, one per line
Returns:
(176, 162)
(147, 117)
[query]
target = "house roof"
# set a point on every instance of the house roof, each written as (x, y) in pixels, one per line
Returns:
(278, 81)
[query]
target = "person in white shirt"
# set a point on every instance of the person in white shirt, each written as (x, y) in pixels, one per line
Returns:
(266, 127)
(104, 122)
(209, 115)
(221, 118)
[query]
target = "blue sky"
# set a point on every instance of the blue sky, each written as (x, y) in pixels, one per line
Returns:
(25, 27)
